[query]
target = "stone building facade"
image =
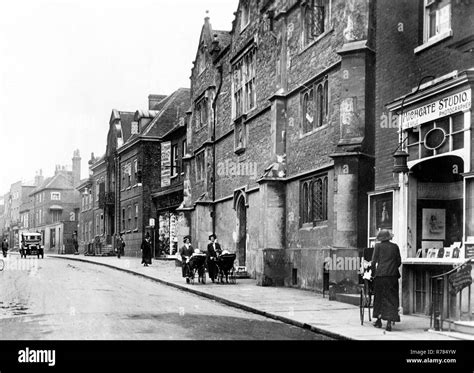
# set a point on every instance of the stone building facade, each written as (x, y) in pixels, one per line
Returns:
(280, 137)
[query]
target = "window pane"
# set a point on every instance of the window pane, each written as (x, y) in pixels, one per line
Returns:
(458, 122)
(458, 141)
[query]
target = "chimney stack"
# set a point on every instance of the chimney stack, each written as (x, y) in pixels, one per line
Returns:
(76, 168)
(39, 178)
(153, 101)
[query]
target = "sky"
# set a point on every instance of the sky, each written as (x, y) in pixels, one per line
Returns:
(65, 64)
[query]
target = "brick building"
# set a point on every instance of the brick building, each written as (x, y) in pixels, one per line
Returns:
(424, 85)
(134, 167)
(280, 138)
(55, 207)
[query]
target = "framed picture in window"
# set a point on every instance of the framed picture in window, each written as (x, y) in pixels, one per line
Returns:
(434, 224)
(383, 211)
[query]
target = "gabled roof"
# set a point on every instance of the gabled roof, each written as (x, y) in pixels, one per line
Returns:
(62, 181)
(172, 114)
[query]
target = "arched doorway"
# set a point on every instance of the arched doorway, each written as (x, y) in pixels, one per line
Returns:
(241, 231)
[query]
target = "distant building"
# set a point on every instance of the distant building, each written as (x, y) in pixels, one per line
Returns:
(55, 207)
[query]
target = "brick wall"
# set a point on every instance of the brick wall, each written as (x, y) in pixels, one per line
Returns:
(399, 69)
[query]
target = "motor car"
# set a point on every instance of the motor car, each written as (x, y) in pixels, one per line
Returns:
(31, 245)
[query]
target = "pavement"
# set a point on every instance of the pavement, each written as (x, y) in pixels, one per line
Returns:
(302, 308)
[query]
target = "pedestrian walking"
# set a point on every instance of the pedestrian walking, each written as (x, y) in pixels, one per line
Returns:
(5, 247)
(75, 243)
(120, 246)
(146, 250)
(213, 251)
(185, 253)
(385, 262)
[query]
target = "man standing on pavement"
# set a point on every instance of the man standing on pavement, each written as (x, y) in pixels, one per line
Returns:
(120, 245)
(5, 247)
(213, 251)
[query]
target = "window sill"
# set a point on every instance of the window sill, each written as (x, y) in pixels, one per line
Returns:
(173, 177)
(434, 40)
(315, 41)
(303, 135)
(314, 226)
(135, 230)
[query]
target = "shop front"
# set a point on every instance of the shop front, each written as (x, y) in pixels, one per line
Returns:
(430, 209)
(168, 220)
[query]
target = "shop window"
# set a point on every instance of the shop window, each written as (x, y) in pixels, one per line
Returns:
(436, 137)
(314, 200)
(315, 104)
(381, 214)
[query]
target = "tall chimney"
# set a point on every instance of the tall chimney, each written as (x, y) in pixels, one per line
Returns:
(39, 178)
(76, 168)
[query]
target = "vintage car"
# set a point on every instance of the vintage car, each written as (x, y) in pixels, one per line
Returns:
(31, 245)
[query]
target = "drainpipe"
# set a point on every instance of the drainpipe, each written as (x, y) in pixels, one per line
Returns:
(214, 111)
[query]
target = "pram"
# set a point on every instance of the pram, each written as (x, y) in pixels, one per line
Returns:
(225, 268)
(197, 265)
(366, 283)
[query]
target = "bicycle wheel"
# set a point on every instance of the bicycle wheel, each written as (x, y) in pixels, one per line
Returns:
(361, 307)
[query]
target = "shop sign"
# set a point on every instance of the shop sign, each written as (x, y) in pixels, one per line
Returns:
(460, 279)
(460, 101)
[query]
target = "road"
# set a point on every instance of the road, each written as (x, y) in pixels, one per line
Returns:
(53, 299)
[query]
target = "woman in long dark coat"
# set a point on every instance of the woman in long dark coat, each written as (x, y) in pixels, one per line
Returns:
(386, 260)
(146, 250)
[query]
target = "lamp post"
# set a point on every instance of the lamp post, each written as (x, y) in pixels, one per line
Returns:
(401, 156)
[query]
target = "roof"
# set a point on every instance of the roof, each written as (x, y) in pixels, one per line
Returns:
(61, 180)
(223, 37)
(172, 114)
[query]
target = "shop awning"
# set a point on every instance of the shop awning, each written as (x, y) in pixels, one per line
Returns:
(55, 207)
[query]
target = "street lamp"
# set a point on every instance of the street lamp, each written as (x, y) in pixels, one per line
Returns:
(401, 156)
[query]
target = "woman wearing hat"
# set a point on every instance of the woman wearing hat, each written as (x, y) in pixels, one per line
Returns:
(385, 261)
(213, 251)
(185, 253)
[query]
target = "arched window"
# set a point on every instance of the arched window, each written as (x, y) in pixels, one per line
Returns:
(308, 111)
(319, 105)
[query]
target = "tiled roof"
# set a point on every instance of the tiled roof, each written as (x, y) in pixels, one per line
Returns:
(172, 113)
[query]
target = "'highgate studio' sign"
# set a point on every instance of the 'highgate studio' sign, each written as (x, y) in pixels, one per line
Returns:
(444, 106)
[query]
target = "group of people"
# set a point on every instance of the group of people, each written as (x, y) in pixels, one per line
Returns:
(146, 248)
(214, 250)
